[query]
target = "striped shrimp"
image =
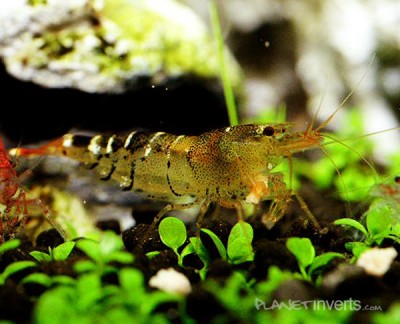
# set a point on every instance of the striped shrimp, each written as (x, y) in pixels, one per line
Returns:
(228, 166)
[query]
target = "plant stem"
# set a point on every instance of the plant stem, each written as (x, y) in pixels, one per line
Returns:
(226, 83)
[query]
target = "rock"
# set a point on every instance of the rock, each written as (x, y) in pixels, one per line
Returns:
(106, 45)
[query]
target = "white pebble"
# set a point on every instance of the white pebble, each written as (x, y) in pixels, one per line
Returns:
(377, 261)
(171, 280)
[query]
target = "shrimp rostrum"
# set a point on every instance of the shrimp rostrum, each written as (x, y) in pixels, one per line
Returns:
(228, 166)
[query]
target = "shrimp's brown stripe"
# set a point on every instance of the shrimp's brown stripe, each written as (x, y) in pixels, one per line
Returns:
(140, 161)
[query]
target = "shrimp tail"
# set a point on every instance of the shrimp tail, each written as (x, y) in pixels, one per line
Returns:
(52, 148)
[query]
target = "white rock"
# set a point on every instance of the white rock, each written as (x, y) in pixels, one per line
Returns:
(171, 280)
(377, 261)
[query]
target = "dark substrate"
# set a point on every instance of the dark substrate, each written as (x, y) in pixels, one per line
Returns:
(269, 246)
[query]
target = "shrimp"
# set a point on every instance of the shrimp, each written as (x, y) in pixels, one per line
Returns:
(229, 166)
(14, 201)
(12, 197)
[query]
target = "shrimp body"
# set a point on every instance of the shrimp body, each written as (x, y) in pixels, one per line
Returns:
(12, 198)
(229, 165)
(11, 194)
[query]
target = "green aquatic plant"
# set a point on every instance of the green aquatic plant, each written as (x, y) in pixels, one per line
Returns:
(223, 62)
(173, 234)
(14, 268)
(310, 265)
(88, 300)
(381, 222)
(103, 254)
(59, 253)
(9, 245)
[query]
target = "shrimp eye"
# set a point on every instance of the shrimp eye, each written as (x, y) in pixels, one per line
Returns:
(268, 131)
(397, 179)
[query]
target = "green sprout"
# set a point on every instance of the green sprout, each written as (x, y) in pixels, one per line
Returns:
(239, 244)
(89, 300)
(59, 253)
(380, 225)
(390, 316)
(14, 268)
(196, 246)
(309, 264)
(173, 234)
(9, 245)
(40, 278)
(239, 249)
(102, 254)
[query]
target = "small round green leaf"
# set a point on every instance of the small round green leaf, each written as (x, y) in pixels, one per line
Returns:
(239, 251)
(239, 243)
(302, 249)
(172, 232)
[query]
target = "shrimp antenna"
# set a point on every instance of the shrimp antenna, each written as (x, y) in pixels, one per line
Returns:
(329, 119)
(314, 117)
(338, 173)
(355, 138)
(355, 152)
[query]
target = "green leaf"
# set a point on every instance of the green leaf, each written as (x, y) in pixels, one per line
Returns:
(239, 251)
(158, 298)
(121, 257)
(110, 242)
(241, 230)
(91, 249)
(172, 232)
(378, 221)
(322, 260)
(16, 267)
(239, 243)
(302, 249)
(218, 243)
(40, 256)
(89, 290)
(357, 248)
(61, 252)
(54, 306)
(38, 278)
(188, 249)
(200, 250)
(85, 266)
(63, 280)
(132, 282)
(152, 254)
(276, 277)
(352, 223)
(9, 245)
